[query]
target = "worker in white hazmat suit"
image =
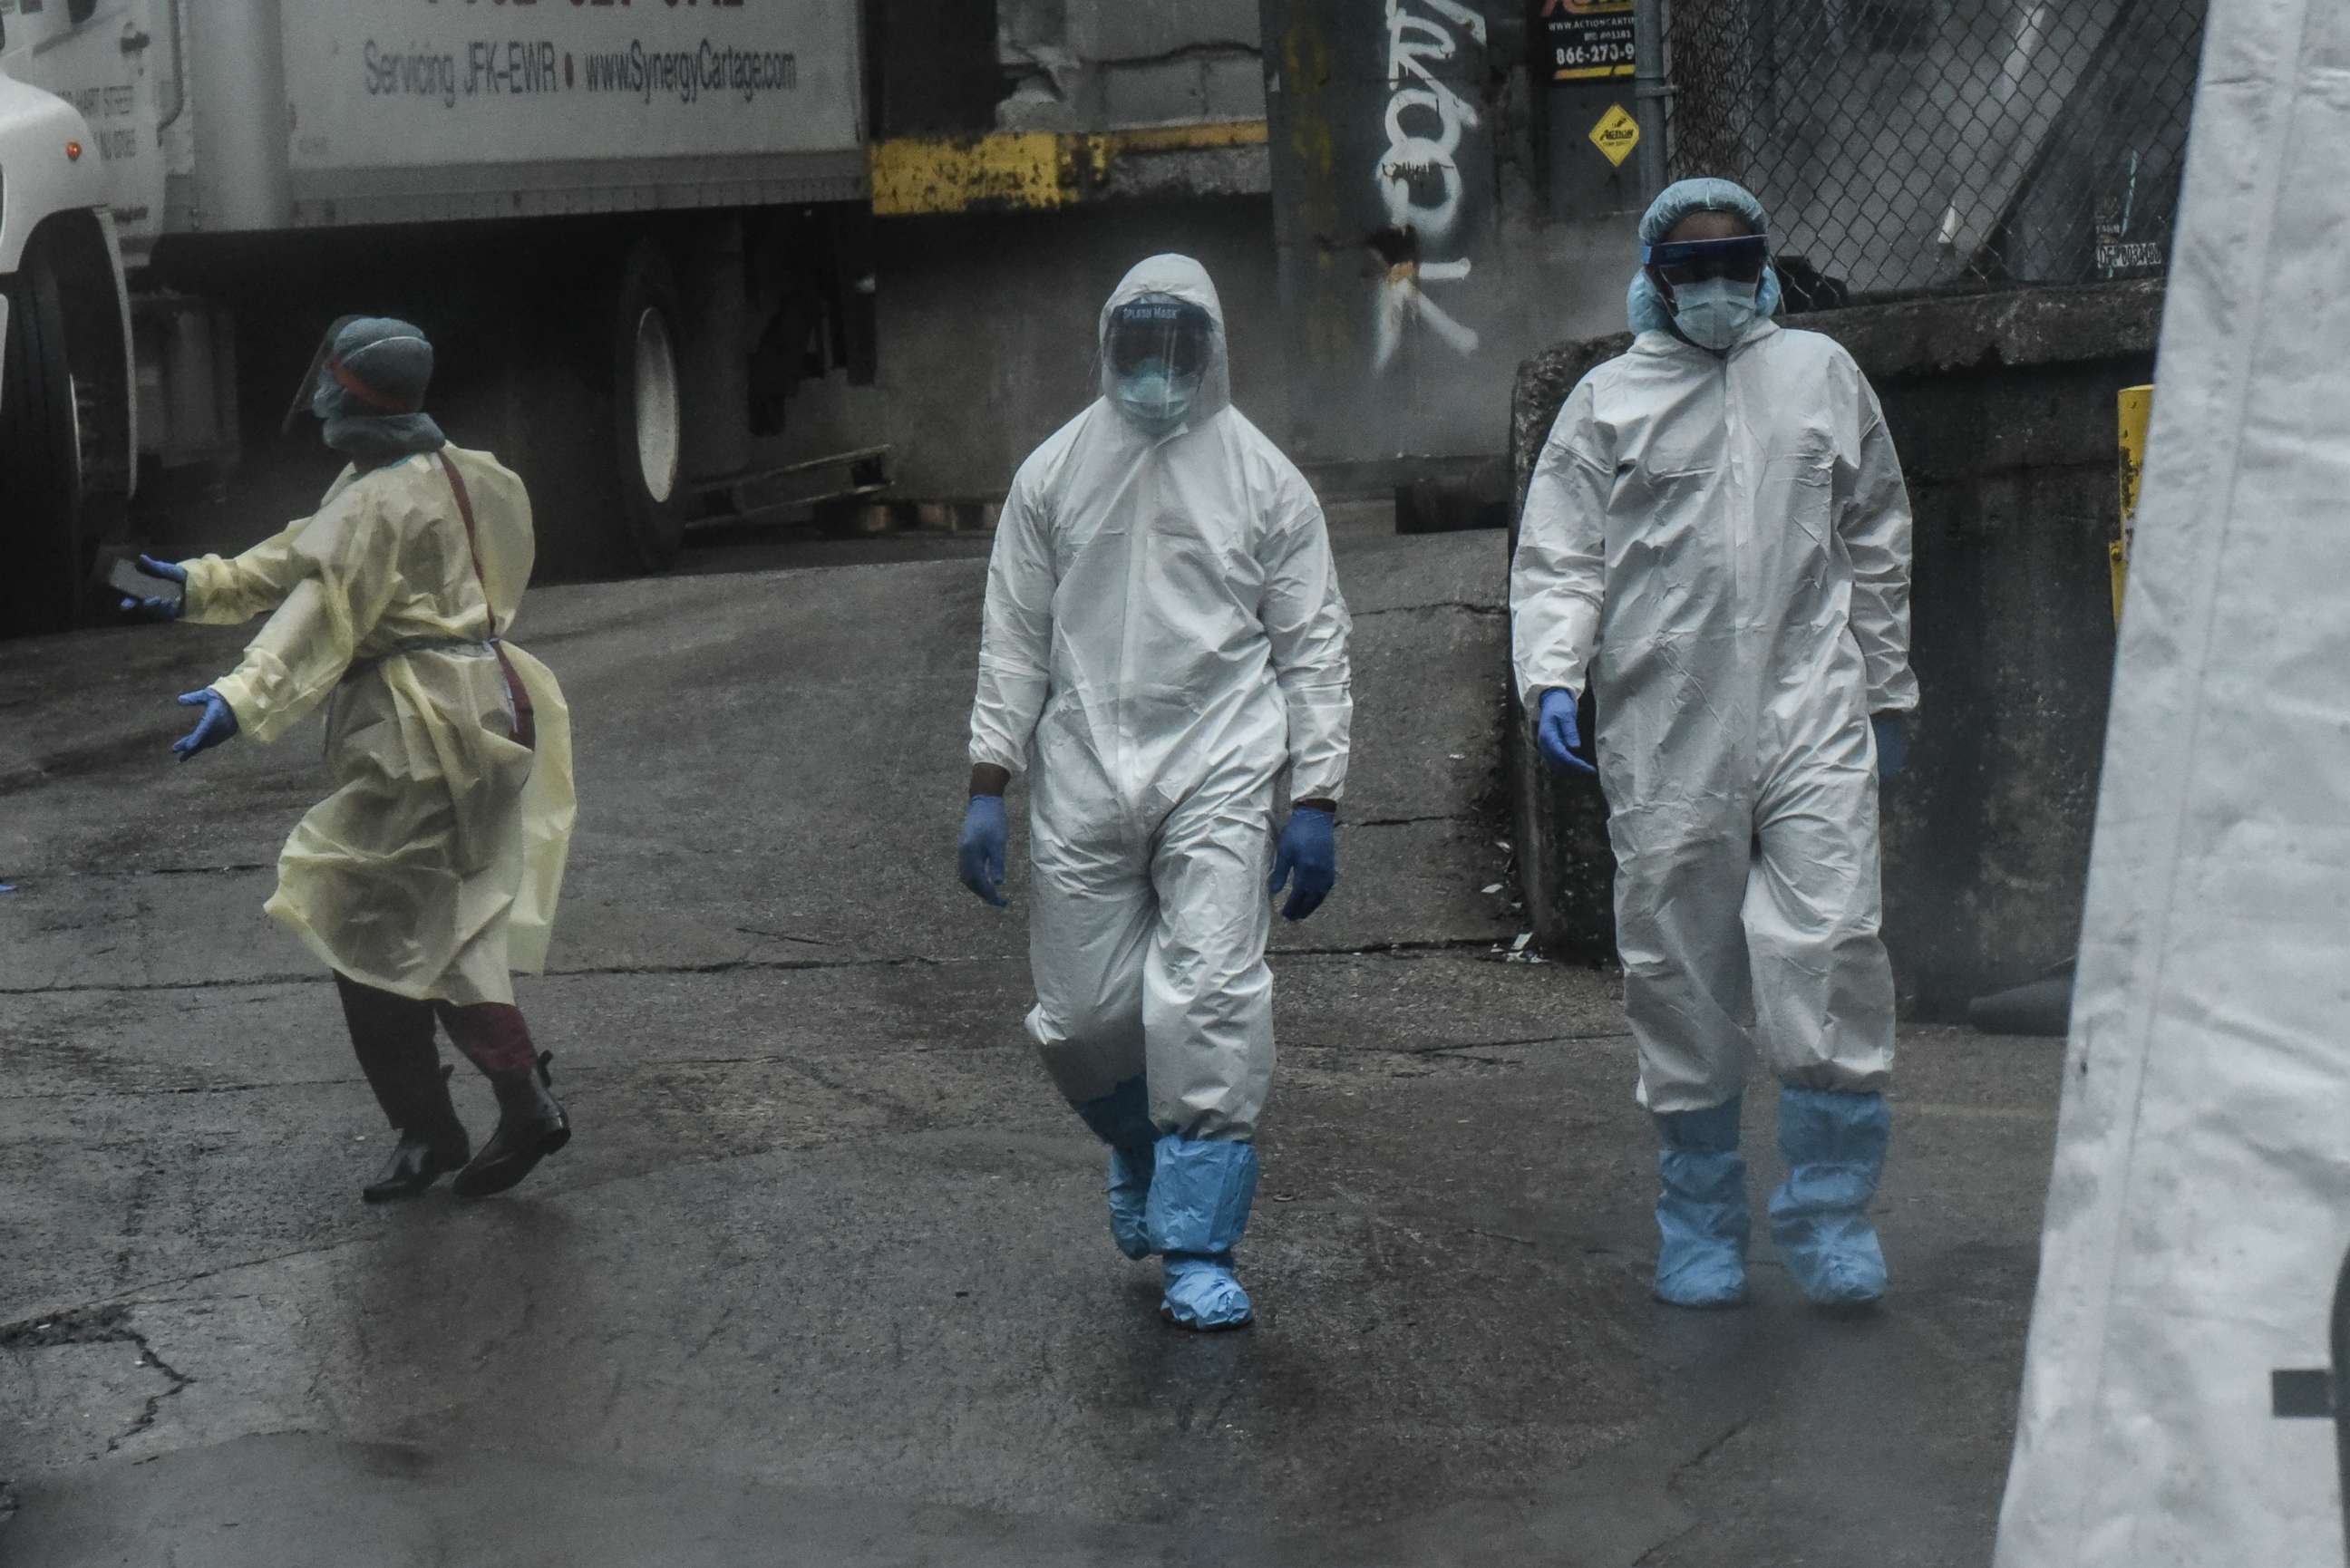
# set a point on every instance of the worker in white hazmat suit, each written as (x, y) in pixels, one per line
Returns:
(1716, 543)
(431, 871)
(1164, 636)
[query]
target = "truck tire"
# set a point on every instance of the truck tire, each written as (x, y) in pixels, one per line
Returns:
(648, 406)
(40, 459)
(601, 432)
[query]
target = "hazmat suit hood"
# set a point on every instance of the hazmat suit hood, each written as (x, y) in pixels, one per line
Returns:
(1642, 303)
(1180, 279)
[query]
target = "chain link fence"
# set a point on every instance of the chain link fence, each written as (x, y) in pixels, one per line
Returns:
(1911, 146)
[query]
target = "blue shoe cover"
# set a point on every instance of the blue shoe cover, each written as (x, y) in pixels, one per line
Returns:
(1204, 1294)
(1702, 1221)
(1833, 1144)
(1121, 1120)
(1130, 1195)
(1200, 1192)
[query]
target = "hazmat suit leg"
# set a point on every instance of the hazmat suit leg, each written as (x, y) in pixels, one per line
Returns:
(1148, 952)
(1207, 996)
(1680, 879)
(1823, 984)
(1208, 1029)
(1680, 882)
(1154, 1012)
(1091, 912)
(1823, 1000)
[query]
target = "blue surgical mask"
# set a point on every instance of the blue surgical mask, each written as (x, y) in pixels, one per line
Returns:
(1715, 312)
(1155, 398)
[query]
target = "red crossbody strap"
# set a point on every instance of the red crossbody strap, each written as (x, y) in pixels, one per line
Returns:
(472, 539)
(525, 721)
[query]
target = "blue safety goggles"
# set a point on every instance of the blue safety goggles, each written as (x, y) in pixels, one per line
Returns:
(1740, 258)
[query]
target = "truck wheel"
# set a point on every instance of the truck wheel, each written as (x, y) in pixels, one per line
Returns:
(600, 427)
(40, 458)
(649, 405)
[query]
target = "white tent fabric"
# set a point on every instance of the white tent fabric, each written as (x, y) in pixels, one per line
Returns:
(2200, 1204)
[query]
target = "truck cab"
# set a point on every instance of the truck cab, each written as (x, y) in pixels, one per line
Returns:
(67, 433)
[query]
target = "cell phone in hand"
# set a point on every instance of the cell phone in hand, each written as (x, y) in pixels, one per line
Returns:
(125, 578)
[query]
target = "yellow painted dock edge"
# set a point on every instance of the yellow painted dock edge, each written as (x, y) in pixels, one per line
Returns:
(2137, 409)
(1035, 171)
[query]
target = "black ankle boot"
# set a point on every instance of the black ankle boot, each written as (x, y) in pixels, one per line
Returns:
(530, 1126)
(432, 1142)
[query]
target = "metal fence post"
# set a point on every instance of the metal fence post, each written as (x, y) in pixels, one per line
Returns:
(1650, 92)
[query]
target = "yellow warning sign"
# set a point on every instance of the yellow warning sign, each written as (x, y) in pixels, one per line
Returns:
(1616, 134)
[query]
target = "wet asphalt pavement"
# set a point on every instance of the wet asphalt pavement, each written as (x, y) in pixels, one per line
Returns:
(824, 1277)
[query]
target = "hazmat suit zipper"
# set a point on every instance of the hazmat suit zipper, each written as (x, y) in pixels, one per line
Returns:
(1138, 560)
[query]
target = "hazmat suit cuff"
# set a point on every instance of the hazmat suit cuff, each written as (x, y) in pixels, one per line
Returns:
(209, 596)
(265, 694)
(251, 719)
(1531, 684)
(1899, 695)
(990, 754)
(1318, 783)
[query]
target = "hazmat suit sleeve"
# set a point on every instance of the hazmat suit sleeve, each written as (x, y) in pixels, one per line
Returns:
(1873, 520)
(224, 591)
(343, 569)
(1305, 620)
(1015, 636)
(1555, 579)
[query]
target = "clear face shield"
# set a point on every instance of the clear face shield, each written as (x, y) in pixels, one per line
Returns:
(1156, 353)
(306, 393)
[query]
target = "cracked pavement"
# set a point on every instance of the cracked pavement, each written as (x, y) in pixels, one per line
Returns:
(823, 1276)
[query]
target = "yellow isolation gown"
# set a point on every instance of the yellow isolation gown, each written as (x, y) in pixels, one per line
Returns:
(434, 868)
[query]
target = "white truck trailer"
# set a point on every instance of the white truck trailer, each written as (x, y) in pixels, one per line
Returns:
(637, 230)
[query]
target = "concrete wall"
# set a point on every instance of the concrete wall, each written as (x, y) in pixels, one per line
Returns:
(1419, 249)
(988, 320)
(2003, 407)
(1103, 65)
(986, 307)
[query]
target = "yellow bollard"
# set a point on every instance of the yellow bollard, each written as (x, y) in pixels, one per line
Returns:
(2137, 409)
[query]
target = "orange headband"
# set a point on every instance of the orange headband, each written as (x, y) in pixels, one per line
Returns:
(366, 394)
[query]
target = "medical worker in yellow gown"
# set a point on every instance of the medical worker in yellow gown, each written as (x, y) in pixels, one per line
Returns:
(431, 873)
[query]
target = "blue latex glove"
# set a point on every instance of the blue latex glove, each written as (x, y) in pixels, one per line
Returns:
(162, 607)
(979, 855)
(1892, 744)
(1309, 846)
(218, 724)
(1556, 731)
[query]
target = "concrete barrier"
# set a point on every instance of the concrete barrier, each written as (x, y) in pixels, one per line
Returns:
(2003, 408)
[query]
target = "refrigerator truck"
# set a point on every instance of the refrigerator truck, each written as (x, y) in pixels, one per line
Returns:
(638, 232)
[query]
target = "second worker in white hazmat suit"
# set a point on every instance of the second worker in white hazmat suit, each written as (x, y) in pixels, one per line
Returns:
(1164, 636)
(1716, 541)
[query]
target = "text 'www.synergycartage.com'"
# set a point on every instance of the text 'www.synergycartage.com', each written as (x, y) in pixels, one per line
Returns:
(515, 68)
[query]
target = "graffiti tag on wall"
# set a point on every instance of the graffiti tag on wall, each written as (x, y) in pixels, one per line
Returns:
(1419, 173)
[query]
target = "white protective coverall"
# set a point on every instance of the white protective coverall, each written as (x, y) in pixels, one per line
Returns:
(434, 868)
(1164, 634)
(1721, 545)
